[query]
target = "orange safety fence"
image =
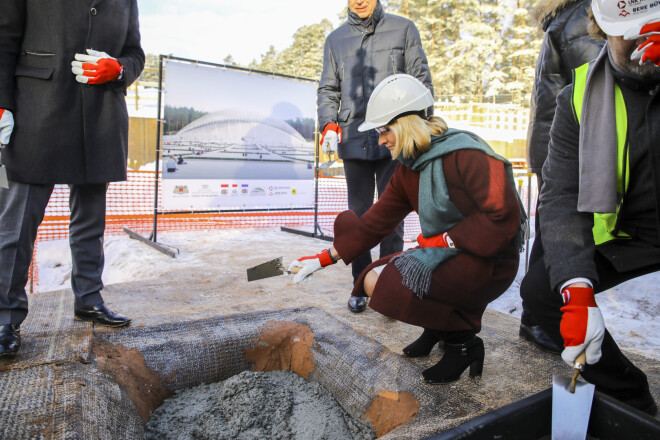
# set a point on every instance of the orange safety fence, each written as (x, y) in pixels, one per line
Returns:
(130, 204)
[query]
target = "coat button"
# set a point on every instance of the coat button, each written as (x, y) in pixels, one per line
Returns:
(93, 11)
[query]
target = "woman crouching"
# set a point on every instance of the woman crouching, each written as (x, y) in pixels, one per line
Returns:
(472, 226)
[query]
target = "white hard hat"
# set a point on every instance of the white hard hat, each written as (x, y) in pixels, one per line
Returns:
(615, 17)
(395, 95)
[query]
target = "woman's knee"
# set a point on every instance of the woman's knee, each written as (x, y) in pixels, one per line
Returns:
(370, 281)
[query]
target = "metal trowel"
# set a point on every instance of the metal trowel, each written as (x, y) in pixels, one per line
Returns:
(4, 182)
(328, 164)
(571, 404)
(269, 269)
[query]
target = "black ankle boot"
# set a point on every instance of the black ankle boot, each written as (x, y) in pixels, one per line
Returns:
(456, 359)
(424, 344)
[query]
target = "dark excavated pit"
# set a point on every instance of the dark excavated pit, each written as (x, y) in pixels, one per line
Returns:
(154, 364)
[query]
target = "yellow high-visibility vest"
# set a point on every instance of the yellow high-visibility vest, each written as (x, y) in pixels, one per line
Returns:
(606, 226)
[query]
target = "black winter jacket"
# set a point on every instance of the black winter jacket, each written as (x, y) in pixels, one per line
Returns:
(355, 59)
(566, 45)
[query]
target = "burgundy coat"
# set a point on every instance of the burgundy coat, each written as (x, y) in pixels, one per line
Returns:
(462, 286)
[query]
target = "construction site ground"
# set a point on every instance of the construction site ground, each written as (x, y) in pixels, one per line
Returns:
(206, 322)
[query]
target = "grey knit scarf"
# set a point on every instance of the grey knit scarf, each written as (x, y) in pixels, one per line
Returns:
(598, 140)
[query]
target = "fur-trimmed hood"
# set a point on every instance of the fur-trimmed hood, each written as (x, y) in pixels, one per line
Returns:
(546, 10)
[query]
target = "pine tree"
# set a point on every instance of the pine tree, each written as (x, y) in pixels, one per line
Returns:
(522, 42)
(475, 48)
(305, 56)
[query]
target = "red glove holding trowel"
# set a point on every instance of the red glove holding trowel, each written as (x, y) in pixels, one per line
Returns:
(311, 264)
(649, 50)
(582, 325)
(330, 138)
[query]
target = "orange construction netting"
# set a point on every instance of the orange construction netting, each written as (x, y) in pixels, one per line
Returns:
(130, 204)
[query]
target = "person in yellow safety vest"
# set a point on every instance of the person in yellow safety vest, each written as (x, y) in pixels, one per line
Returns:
(566, 45)
(600, 202)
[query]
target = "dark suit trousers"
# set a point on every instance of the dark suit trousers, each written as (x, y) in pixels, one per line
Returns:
(362, 177)
(22, 209)
(614, 374)
(536, 253)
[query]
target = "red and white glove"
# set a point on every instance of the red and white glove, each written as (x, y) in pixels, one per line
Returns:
(330, 138)
(6, 126)
(582, 325)
(311, 264)
(441, 240)
(95, 68)
(649, 50)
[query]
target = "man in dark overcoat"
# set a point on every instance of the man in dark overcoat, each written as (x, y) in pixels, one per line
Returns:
(64, 69)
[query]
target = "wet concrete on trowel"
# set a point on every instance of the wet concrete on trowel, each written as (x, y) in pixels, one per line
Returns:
(217, 291)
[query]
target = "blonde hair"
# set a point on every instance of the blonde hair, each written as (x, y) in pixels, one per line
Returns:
(413, 134)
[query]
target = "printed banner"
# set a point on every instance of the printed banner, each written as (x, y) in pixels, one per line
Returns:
(236, 140)
(231, 194)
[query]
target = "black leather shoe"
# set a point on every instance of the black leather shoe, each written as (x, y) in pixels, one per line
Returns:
(357, 304)
(10, 340)
(535, 335)
(100, 315)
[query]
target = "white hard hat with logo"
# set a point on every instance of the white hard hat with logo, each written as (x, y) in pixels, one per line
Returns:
(622, 17)
(394, 96)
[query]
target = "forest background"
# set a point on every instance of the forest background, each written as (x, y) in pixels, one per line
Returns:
(478, 50)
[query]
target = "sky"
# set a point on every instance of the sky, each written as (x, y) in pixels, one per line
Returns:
(209, 30)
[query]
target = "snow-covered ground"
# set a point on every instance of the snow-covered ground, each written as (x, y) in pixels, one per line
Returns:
(631, 310)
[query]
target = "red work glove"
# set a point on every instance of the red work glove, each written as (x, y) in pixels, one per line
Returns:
(582, 325)
(330, 138)
(649, 50)
(95, 68)
(311, 264)
(6, 126)
(441, 240)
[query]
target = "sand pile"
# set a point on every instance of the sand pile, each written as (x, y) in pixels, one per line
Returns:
(255, 405)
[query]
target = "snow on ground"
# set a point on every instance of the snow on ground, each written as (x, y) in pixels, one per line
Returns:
(631, 310)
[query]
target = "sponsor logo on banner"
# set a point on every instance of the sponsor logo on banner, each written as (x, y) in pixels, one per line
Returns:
(244, 188)
(258, 192)
(280, 190)
(224, 189)
(180, 189)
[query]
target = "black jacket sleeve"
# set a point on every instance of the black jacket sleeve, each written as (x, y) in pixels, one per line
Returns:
(12, 22)
(567, 234)
(328, 92)
(132, 56)
(566, 45)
